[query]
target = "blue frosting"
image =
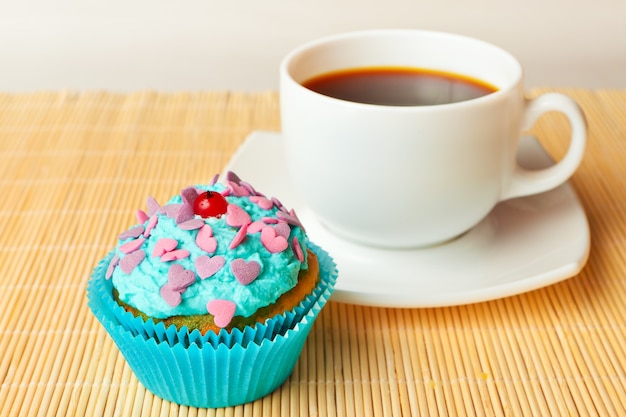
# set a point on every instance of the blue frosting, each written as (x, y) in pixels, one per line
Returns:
(141, 288)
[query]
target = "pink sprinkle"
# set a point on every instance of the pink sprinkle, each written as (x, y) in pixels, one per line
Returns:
(132, 246)
(151, 224)
(163, 246)
(171, 297)
(273, 242)
(248, 187)
(295, 244)
(171, 210)
(112, 264)
(205, 239)
(264, 203)
(238, 190)
(232, 177)
(214, 180)
(192, 224)
(270, 220)
(175, 255)
(283, 229)
(152, 206)
(208, 266)
(236, 216)
(132, 232)
(130, 261)
(290, 218)
(141, 216)
(245, 272)
(223, 312)
(239, 237)
(255, 227)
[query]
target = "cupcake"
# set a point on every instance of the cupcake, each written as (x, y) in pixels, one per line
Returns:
(211, 296)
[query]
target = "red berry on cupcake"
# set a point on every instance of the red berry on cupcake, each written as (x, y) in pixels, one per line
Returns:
(210, 204)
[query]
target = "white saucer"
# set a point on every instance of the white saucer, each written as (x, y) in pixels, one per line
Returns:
(523, 244)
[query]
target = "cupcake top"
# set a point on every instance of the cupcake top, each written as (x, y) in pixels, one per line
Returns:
(218, 248)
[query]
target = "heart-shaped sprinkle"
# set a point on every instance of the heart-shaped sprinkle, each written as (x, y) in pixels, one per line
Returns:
(214, 180)
(277, 203)
(189, 195)
(175, 255)
(164, 245)
(130, 261)
(290, 218)
(262, 202)
(151, 225)
(208, 266)
(239, 237)
(232, 177)
(185, 212)
(236, 216)
(112, 264)
(255, 227)
(180, 278)
(171, 297)
(132, 232)
(133, 245)
(141, 216)
(192, 224)
(170, 210)
(245, 272)
(282, 229)
(204, 239)
(238, 190)
(248, 187)
(152, 206)
(270, 220)
(223, 312)
(273, 242)
(297, 249)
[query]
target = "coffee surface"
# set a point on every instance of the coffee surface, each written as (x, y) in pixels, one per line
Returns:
(398, 86)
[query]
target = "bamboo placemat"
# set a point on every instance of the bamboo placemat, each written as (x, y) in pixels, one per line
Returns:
(74, 168)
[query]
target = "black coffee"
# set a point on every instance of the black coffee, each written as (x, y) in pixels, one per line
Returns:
(398, 86)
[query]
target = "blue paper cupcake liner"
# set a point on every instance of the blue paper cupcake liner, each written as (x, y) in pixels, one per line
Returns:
(215, 370)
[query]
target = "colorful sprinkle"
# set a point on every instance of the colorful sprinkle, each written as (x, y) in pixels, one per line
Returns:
(133, 245)
(239, 237)
(112, 264)
(236, 216)
(223, 312)
(273, 242)
(133, 232)
(175, 255)
(192, 224)
(130, 261)
(245, 272)
(163, 246)
(179, 279)
(152, 222)
(205, 239)
(297, 249)
(207, 266)
(264, 203)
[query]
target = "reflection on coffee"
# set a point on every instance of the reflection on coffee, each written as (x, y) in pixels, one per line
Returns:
(398, 86)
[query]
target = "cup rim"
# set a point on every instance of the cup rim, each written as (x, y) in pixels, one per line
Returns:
(285, 74)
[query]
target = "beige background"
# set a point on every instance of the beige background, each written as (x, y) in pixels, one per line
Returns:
(237, 44)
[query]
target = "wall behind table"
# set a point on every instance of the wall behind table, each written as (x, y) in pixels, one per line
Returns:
(237, 44)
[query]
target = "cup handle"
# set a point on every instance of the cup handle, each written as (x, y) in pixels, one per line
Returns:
(526, 182)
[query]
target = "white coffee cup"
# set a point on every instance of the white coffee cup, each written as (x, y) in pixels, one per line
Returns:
(410, 176)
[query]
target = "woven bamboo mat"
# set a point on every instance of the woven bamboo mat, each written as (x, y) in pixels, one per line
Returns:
(75, 166)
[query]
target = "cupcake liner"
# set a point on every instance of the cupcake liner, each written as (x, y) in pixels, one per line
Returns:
(219, 370)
